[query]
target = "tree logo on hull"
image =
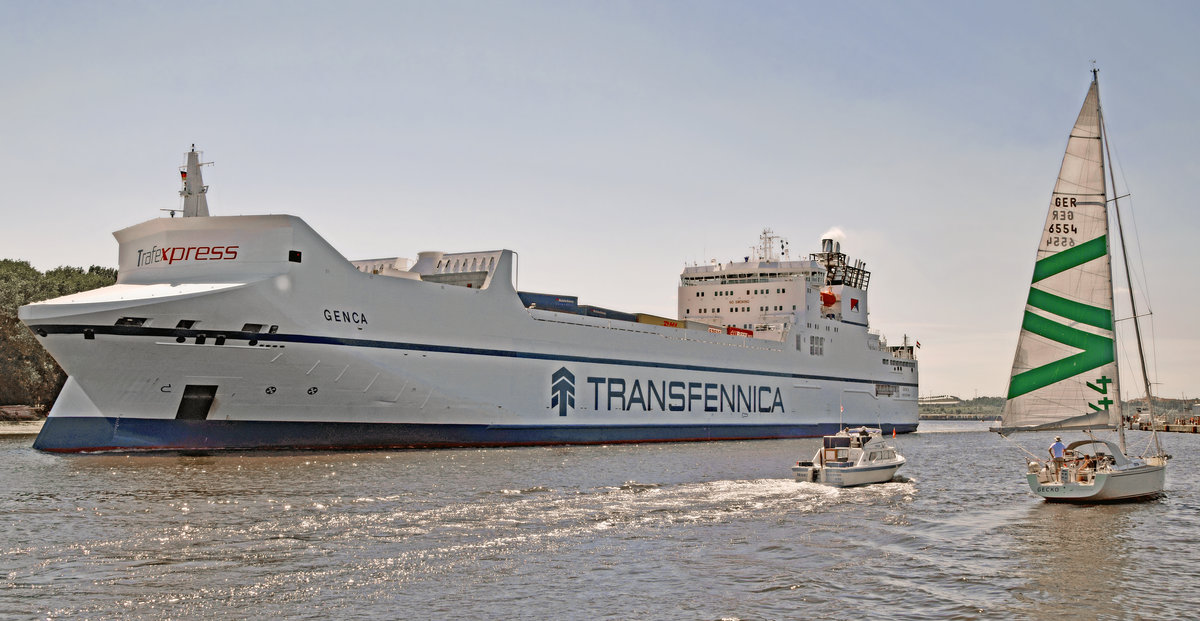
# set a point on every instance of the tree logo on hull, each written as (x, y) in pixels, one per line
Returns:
(562, 390)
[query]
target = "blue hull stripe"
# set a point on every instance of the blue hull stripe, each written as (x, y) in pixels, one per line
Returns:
(852, 469)
(476, 351)
(74, 434)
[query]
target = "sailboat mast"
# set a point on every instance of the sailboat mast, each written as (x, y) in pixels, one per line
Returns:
(1137, 329)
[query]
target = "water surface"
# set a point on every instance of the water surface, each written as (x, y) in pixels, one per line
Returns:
(668, 531)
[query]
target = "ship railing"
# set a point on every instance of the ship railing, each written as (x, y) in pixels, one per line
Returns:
(696, 282)
(679, 334)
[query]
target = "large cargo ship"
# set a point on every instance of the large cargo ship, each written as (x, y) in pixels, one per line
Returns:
(252, 332)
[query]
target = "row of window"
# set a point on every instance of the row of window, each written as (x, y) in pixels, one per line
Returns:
(188, 324)
(700, 294)
(739, 309)
(461, 265)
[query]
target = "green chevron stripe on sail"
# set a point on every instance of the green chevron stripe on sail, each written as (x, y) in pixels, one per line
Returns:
(1070, 309)
(1097, 352)
(1072, 257)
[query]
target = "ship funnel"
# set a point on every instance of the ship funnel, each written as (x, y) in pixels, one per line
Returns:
(426, 261)
(828, 245)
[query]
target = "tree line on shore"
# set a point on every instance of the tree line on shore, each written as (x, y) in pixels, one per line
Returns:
(28, 375)
(979, 408)
(989, 408)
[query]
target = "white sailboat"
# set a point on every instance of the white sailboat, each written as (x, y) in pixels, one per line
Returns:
(1065, 372)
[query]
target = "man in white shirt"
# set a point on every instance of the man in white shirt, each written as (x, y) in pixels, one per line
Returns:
(1056, 454)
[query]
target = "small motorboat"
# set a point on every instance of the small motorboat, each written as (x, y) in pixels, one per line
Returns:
(857, 456)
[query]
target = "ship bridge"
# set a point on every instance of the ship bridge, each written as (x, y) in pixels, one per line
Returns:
(768, 292)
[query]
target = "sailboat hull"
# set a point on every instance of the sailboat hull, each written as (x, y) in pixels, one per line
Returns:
(1135, 483)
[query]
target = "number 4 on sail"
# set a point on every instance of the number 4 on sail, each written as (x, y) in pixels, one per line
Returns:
(1065, 372)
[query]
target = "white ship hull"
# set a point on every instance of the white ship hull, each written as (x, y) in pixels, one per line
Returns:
(287, 345)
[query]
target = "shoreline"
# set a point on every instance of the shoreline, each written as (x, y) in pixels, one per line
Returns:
(20, 427)
(984, 417)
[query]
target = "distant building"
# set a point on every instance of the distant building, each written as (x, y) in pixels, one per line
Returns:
(939, 400)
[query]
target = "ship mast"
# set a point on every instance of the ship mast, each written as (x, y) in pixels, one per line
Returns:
(195, 203)
(766, 247)
(1137, 328)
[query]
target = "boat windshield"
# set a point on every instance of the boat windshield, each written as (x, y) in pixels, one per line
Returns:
(1098, 448)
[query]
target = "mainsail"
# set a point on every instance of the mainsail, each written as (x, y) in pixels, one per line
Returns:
(1064, 374)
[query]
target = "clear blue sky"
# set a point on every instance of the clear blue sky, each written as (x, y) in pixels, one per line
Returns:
(611, 142)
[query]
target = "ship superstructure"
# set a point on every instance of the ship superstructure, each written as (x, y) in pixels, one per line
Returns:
(767, 293)
(237, 332)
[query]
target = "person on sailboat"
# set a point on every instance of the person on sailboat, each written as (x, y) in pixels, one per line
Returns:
(1056, 452)
(1084, 466)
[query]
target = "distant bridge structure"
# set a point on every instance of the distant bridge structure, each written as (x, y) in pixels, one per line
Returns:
(939, 400)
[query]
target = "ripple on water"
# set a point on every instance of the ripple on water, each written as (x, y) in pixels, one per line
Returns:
(676, 531)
